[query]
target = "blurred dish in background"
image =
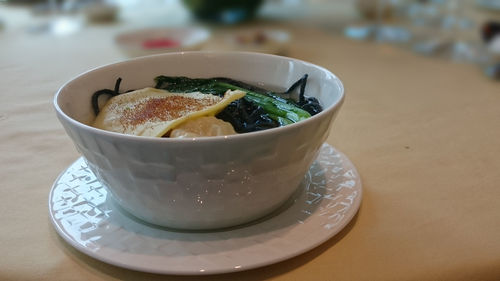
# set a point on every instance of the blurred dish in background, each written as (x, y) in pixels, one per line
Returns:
(271, 41)
(161, 40)
(101, 11)
(493, 5)
(223, 11)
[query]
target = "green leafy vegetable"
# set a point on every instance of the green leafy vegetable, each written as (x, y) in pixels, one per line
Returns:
(281, 110)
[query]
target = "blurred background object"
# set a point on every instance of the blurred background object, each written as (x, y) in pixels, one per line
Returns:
(379, 21)
(258, 39)
(443, 29)
(223, 11)
(161, 40)
(491, 5)
(101, 11)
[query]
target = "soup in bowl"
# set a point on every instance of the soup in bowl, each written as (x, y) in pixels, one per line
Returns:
(201, 182)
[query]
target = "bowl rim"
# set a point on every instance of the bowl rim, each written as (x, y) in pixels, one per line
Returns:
(207, 139)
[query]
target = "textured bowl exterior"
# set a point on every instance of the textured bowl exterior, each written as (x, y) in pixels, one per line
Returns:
(201, 183)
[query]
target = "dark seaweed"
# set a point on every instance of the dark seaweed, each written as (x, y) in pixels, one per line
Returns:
(108, 92)
(311, 105)
(247, 117)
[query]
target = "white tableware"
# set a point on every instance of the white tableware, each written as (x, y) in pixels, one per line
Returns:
(261, 40)
(208, 182)
(152, 41)
(87, 217)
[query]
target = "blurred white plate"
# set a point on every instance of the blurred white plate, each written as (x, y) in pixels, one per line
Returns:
(261, 40)
(162, 40)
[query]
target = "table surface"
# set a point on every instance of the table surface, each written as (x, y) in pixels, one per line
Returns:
(423, 133)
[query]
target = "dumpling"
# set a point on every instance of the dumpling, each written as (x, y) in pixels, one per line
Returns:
(206, 126)
(154, 112)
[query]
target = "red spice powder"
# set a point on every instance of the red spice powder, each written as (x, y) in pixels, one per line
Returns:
(163, 109)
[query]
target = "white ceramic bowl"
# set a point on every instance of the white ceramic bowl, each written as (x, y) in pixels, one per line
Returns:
(201, 183)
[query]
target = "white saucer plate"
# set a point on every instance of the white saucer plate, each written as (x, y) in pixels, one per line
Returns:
(86, 216)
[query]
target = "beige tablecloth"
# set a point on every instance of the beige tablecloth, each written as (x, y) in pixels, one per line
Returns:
(424, 134)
